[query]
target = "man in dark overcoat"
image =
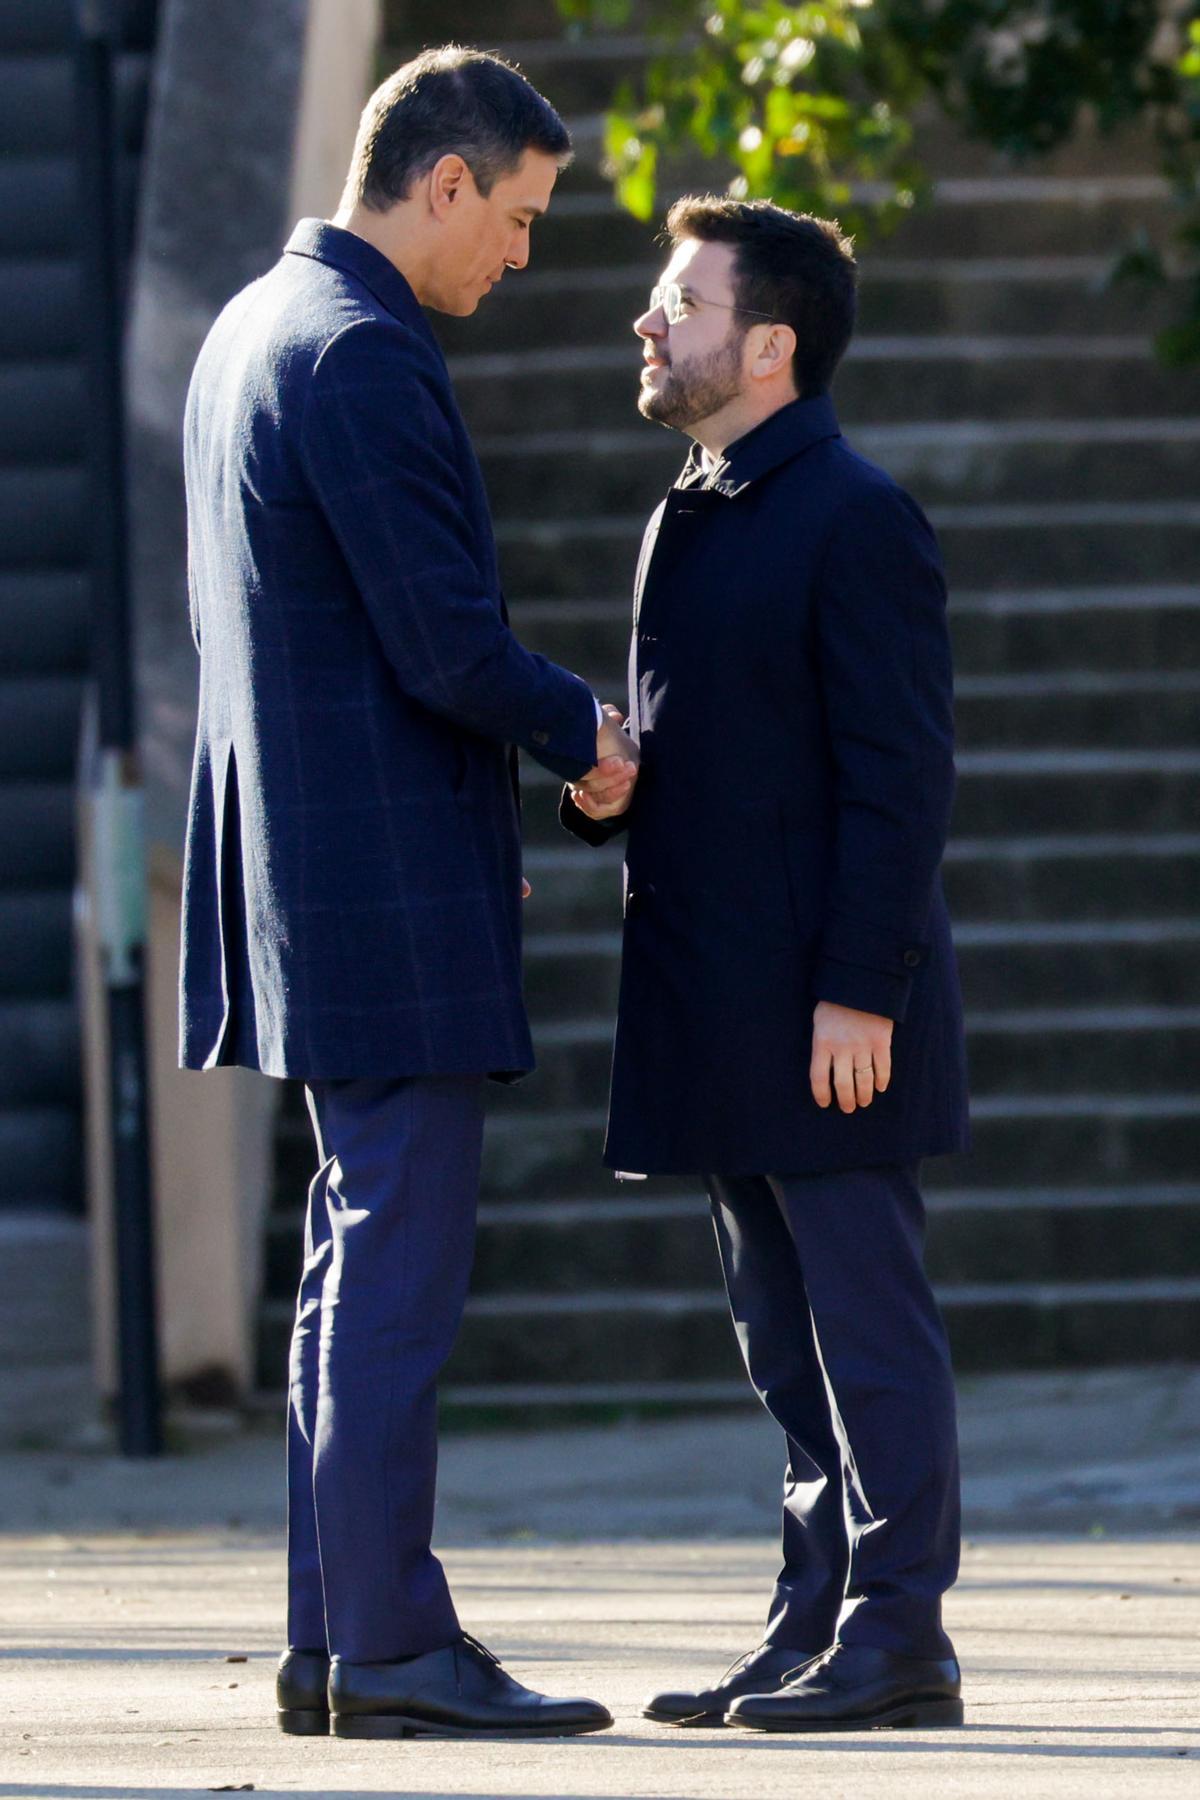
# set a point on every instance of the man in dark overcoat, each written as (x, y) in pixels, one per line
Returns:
(790, 1026)
(353, 879)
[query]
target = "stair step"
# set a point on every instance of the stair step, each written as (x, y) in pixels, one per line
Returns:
(1003, 791)
(1017, 1140)
(1131, 963)
(1039, 711)
(1097, 876)
(41, 25)
(1120, 627)
(43, 518)
(39, 203)
(985, 546)
(44, 623)
(41, 1158)
(1097, 790)
(624, 472)
(36, 935)
(1062, 543)
(38, 101)
(39, 727)
(885, 380)
(405, 22)
(927, 296)
(42, 412)
(1089, 709)
(1082, 877)
(675, 1336)
(41, 301)
(37, 25)
(39, 1052)
(1021, 1050)
(37, 829)
(470, 1405)
(990, 1236)
(1126, 627)
(577, 76)
(988, 216)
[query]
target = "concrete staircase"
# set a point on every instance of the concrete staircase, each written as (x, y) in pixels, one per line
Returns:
(1020, 402)
(43, 589)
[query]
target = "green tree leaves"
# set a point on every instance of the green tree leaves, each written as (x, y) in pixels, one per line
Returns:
(812, 105)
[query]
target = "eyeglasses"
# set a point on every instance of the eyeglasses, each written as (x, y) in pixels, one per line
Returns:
(670, 296)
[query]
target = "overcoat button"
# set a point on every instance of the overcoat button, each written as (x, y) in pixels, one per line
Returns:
(541, 737)
(912, 959)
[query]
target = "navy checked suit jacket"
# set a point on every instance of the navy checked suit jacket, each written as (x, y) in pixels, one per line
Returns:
(352, 882)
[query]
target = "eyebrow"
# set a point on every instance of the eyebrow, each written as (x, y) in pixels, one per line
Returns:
(527, 206)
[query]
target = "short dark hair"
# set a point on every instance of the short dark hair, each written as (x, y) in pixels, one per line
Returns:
(449, 101)
(791, 266)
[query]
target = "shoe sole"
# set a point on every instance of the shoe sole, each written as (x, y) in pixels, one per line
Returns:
(693, 1721)
(930, 1714)
(398, 1725)
(295, 1723)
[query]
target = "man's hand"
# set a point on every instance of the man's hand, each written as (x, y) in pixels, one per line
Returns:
(855, 1048)
(606, 790)
(612, 739)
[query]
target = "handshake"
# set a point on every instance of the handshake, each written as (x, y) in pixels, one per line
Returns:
(607, 789)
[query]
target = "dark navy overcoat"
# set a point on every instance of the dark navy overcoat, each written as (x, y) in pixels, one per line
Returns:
(352, 887)
(790, 685)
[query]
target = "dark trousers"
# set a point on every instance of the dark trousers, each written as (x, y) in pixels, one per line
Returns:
(389, 1239)
(844, 1344)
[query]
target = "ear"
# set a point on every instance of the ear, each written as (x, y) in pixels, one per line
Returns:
(447, 180)
(775, 352)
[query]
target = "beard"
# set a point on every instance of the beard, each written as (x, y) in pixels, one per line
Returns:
(697, 389)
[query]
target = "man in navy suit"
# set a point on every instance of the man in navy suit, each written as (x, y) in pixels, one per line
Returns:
(790, 1027)
(353, 880)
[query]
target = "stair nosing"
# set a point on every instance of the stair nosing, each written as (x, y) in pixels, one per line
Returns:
(601, 1208)
(1079, 846)
(672, 1302)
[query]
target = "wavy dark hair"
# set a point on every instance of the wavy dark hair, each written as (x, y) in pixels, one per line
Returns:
(449, 101)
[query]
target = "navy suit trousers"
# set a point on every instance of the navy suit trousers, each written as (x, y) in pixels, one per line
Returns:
(844, 1344)
(389, 1240)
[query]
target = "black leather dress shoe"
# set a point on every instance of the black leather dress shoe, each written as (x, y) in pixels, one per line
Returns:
(856, 1688)
(458, 1692)
(301, 1693)
(760, 1671)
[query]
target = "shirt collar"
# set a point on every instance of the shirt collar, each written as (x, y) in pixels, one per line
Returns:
(346, 251)
(786, 434)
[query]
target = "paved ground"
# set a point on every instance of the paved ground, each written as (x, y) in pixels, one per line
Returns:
(610, 1562)
(1113, 1449)
(1082, 1663)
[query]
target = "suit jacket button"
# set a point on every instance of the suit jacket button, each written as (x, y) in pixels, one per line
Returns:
(541, 737)
(912, 959)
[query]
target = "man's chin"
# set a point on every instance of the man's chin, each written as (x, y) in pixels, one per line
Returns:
(651, 406)
(455, 306)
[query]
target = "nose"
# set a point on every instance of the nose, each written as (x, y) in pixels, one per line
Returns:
(652, 323)
(518, 250)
